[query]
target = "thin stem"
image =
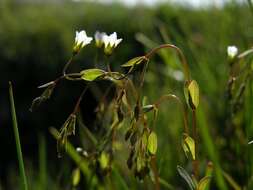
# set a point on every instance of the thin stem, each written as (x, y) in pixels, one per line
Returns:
(172, 96)
(108, 64)
(17, 140)
(155, 171)
(67, 65)
(195, 137)
(70, 76)
(143, 74)
(80, 99)
(180, 53)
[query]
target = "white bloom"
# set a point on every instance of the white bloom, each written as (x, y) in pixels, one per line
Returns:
(81, 40)
(99, 36)
(110, 42)
(232, 51)
(79, 149)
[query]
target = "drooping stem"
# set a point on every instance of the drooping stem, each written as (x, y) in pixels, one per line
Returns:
(180, 53)
(195, 137)
(80, 99)
(172, 96)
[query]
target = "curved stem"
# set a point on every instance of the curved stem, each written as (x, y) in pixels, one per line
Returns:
(180, 53)
(172, 96)
(70, 76)
(80, 99)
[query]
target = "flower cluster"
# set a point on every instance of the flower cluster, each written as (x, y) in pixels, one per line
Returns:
(109, 42)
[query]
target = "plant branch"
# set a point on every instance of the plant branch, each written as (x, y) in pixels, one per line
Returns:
(80, 99)
(67, 65)
(155, 171)
(180, 53)
(195, 137)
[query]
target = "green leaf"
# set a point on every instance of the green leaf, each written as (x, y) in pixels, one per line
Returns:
(76, 177)
(186, 177)
(193, 91)
(188, 145)
(203, 183)
(104, 160)
(134, 61)
(91, 74)
(152, 143)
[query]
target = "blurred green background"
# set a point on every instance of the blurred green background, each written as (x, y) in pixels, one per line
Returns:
(36, 40)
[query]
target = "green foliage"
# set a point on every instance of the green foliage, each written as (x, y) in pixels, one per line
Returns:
(48, 35)
(91, 74)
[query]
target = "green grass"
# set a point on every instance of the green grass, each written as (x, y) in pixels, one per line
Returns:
(17, 140)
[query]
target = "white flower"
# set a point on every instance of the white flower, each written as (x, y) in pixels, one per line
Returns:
(81, 40)
(110, 42)
(99, 38)
(79, 149)
(232, 51)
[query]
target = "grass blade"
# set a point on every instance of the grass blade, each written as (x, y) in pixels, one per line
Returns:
(17, 140)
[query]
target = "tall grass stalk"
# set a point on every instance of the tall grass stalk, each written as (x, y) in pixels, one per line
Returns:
(17, 140)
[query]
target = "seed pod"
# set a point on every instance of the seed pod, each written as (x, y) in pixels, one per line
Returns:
(191, 92)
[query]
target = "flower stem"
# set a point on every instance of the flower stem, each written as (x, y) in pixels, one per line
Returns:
(195, 137)
(180, 53)
(80, 99)
(155, 171)
(67, 65)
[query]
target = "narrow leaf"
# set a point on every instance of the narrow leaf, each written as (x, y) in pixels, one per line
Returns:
(17, 140)
(186, 177)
